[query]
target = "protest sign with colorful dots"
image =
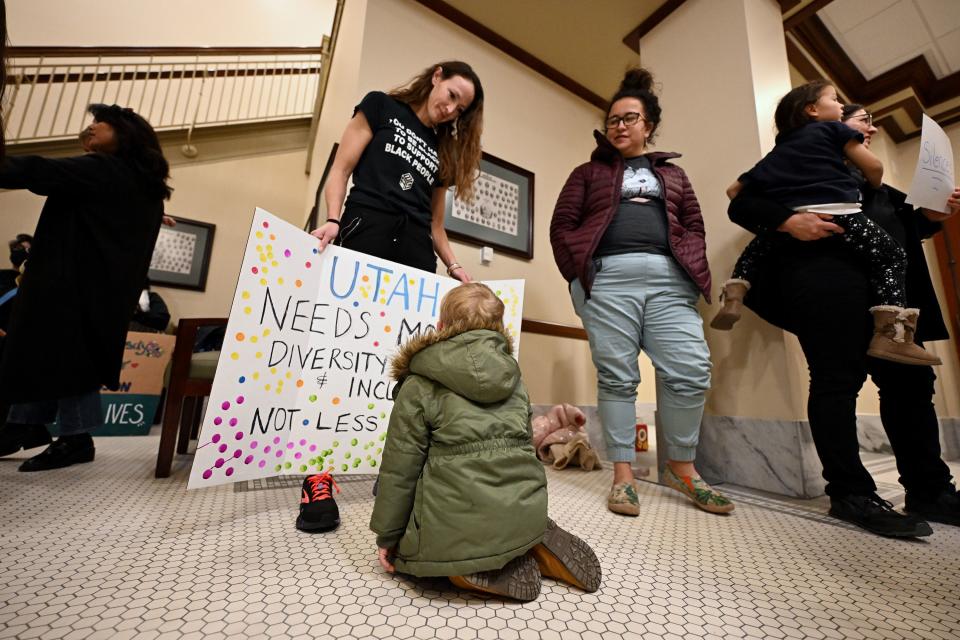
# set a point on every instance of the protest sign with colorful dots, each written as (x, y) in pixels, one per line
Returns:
(303, 382)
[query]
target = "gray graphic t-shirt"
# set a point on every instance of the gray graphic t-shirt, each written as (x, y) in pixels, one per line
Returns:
(640, 223)
(639, 181)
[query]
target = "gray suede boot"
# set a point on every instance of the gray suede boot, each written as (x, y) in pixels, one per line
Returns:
(732, 296)
(893, 331)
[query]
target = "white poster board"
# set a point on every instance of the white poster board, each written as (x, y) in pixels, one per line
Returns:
(303, 382)
(933, 180)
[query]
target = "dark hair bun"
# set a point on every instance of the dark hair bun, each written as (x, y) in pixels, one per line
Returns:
(637, 79)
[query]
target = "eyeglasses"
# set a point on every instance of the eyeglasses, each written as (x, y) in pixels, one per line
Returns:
(866, 118)
(628, 120)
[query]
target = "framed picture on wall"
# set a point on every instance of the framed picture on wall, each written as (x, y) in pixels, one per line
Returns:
(181, 257)
(501, 214)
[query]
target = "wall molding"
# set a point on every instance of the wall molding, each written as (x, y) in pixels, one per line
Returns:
(662, 12)
(522, 56)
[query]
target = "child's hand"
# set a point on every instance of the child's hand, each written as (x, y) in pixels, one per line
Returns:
(384, 556)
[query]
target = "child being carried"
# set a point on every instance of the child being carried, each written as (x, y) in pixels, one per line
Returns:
(807, 171)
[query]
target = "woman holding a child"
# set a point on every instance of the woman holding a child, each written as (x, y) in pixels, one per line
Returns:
(628, 235)
(812, 270)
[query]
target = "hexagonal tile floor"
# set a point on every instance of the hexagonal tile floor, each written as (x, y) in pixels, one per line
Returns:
(105, 551)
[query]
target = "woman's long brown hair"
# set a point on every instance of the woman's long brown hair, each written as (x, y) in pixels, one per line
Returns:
(459, 139)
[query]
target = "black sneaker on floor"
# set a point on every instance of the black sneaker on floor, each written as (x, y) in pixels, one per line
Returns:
(876, 515)
(14, 437)
(65, 451)
(944, 508)
(318, 509)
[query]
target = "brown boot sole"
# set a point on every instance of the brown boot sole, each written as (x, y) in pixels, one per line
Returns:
(724, 320)
(519, 579)
(563, 556)
(884, 355)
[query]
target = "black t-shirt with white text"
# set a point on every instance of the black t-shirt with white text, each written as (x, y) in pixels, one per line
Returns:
(400, 166)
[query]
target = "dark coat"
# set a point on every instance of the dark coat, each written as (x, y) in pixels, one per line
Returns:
(461, 488)
(590, 198)
(88, 263)
(830, 258)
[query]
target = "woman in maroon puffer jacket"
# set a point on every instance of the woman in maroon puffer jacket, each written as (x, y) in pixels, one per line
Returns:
(628, 235)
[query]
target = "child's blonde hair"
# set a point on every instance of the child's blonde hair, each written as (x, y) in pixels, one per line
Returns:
(472, 306)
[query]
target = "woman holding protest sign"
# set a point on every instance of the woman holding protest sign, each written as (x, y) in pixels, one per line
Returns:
(404, 149)
(89, 255)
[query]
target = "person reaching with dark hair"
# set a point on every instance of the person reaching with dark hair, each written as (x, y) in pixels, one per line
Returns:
(90, 254)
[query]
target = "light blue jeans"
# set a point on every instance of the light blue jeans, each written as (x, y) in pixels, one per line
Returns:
(643, 301)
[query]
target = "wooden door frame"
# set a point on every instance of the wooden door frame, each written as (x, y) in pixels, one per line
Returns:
(947, 244)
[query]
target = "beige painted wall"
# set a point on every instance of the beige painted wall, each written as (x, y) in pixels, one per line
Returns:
(341, 95)
(717, 112)
(528, 121)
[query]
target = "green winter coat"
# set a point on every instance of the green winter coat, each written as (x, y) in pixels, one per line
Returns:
(461, 489)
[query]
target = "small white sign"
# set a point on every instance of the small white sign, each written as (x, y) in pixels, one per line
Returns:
(933, 181)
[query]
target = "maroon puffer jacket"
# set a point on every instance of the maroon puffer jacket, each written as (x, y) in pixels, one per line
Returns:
(590, 198)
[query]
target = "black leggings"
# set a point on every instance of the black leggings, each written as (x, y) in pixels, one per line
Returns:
(886, 260)
(391, 236)
(827, 307)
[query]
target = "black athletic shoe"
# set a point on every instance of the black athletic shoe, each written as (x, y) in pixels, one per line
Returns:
(876, 515)
(944, 507)
(318, 509)
(65, 451)
(14, 437)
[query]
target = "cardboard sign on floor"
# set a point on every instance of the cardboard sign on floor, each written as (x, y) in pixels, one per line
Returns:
(303, 382)
(129, 411)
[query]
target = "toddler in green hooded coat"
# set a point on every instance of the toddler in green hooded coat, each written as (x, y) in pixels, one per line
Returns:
(461, 492)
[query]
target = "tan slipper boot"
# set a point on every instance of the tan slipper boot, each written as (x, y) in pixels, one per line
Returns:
(893, 333)
(732, 296)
